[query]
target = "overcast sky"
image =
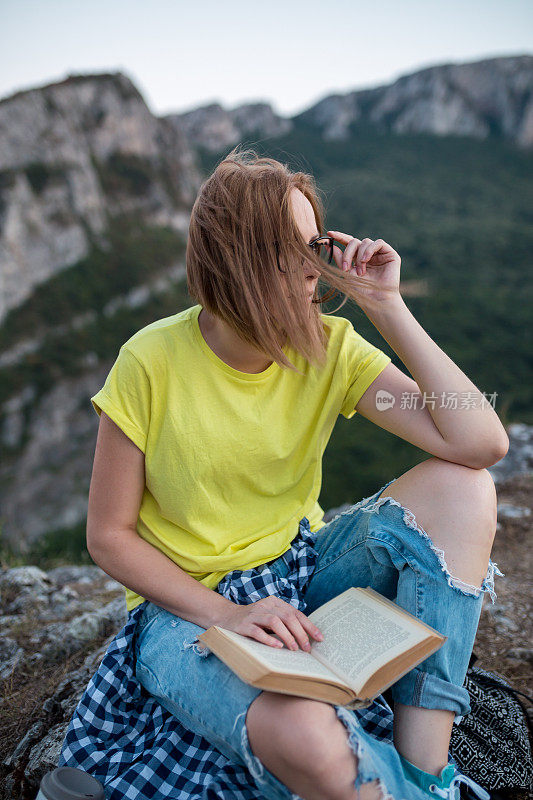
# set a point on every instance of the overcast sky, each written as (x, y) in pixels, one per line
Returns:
(290, 53)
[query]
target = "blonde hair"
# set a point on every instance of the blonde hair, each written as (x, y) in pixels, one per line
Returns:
(241, 216)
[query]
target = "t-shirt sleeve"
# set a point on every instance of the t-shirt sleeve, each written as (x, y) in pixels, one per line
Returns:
(126, 397)
(364, 362)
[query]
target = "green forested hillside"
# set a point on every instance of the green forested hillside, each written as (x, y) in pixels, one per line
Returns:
(459, 213)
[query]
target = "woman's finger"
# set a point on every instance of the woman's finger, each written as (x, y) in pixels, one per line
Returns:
(274, 622)
(350, 252)
(364, 255)
(309, 626)
(285, 634)
(340, 236)
(344, 259)
(289, 611)
(260, 635)
(298, 631)
(361, 250)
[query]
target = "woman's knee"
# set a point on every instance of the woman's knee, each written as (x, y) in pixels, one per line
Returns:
(446, 498)
(305, 735)
(471, 495)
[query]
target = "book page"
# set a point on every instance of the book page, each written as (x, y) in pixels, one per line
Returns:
(292, 662)
(360, 635)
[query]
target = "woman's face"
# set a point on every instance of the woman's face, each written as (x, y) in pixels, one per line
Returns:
(305, 220)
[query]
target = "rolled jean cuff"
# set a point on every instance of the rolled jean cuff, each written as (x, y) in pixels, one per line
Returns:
(419, 688)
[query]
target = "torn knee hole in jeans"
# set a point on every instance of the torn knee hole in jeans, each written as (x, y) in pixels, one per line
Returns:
(366, 772)
(487, 584)
(254, 765)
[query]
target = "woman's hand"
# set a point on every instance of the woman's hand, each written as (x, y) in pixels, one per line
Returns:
(274, 614)
(376, 261)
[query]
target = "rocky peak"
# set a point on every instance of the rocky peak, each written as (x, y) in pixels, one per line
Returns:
(216, 128)
(479, 99)
(74, 154)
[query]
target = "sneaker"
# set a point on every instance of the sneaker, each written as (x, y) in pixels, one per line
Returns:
(452, 791)
(446, 785)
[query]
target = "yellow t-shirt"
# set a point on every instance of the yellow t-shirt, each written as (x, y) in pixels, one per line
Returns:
(233, 460)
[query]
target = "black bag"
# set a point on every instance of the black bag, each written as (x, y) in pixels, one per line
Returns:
(492, 744)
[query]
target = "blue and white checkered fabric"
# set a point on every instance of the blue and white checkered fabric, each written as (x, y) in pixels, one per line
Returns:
(138, 750)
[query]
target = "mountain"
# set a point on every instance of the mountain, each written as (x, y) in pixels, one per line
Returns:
(481, 99)
(82, 151)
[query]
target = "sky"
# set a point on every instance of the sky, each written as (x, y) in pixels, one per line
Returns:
(181, 55)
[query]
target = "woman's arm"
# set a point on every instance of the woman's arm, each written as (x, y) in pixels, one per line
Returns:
(115, 495)
(145, 569)
(470, 433)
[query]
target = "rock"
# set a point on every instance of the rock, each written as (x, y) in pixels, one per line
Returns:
(44, 755)
(332, 512)
(216, 128)
(502, 614)
(50, 621)
(112, 586)
(25, 579)
(58, 640)
(519, 458)
(7, 621)
(11, 656)
(75, 574)
(521, 654)
(39, 750)
(508, 511)
(475, 99)
(24, 588)
(506, 625)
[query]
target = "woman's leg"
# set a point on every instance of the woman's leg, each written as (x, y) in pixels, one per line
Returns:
(379, 542)
(315, 761)
(456, 506)
(304, 743)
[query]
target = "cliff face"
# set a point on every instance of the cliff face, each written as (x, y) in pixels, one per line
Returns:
(73, 155)
(493, 97)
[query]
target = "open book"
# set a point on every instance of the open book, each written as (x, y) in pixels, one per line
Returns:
(369, 643)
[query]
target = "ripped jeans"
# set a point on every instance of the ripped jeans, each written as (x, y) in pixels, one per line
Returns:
(376, 542)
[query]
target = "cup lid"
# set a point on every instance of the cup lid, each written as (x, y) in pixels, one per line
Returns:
(70, 783)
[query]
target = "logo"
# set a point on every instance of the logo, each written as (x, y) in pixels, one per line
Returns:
(384, 400)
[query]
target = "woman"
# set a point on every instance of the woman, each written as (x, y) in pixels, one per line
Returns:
(208, 468)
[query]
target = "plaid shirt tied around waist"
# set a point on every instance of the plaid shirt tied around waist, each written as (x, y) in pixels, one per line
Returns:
(138, 750)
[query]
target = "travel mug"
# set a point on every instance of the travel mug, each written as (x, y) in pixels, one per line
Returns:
(69, 783)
